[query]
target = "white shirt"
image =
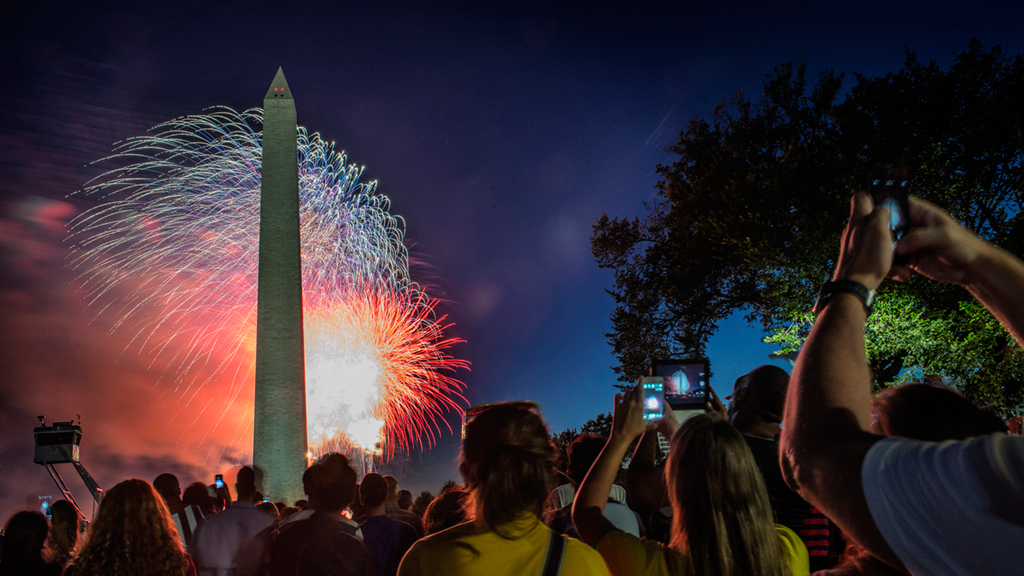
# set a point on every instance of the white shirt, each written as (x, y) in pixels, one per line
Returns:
(953, 507)
(226, 540)
(565, 493)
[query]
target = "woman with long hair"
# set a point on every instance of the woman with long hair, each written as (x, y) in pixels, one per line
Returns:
(65, 525)
(507, 463)
(23, 546)
(721, 520)
(132, 534)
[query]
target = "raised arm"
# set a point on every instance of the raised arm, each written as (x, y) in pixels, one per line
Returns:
(825, 436)
(588, 508)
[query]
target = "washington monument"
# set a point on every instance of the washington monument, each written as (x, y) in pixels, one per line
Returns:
(279, 428)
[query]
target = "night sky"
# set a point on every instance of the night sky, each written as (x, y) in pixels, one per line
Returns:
(500, 134)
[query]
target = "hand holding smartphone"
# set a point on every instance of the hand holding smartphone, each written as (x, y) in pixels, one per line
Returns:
(889, 189)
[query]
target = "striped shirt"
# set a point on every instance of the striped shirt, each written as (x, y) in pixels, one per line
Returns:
(186, 521)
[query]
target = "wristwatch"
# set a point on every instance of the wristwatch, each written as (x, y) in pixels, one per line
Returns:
(830, 289)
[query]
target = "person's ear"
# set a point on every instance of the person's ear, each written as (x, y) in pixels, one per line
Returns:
(738, 396)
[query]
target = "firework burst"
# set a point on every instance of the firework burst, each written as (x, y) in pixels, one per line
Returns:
(170, 252)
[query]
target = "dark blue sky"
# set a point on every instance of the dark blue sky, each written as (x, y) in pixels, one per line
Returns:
(499, 133)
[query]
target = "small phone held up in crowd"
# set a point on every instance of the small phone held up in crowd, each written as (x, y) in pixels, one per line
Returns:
(218, 481)
(889, 188)
(654, 396)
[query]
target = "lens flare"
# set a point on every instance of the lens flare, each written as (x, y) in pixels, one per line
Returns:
(169, 252)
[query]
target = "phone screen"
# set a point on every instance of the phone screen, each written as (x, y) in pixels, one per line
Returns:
(219, 481)
(889, 189)
(686, 382)
(654, 396)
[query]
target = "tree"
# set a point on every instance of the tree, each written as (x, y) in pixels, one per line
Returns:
(419, 506)
(748, 217)
(450, 485)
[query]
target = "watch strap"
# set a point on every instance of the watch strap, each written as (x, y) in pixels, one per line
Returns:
(830, 289)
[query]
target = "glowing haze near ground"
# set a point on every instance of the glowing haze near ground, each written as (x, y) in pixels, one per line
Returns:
(169, 256)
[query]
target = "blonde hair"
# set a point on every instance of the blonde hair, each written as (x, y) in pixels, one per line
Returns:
(132, 534)
(722, 521)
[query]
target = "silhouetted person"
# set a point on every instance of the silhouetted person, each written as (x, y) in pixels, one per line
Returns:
(65, 526)
(334, 461)
(322, 545)
(226, 543)
(405, 500)
(397, 513)
(198, 494)
(387, 539)
(445, 511)
(269, 509)
(583, 451)
(186, 516)
(755, 409)
(21, 550)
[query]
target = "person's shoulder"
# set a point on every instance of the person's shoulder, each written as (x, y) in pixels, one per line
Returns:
(405, 528)
(447, 536)
(627, 554)
(582, 559)
(1001, 452)
(794, 549)
(429, 554)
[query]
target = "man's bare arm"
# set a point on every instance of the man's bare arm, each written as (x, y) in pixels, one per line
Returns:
(825, 436)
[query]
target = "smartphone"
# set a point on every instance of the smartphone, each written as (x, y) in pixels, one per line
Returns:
(218, 481)
(686, 382)
(889, 188)
(654, 396)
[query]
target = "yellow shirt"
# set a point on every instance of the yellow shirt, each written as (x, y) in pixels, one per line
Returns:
(463, 550)
(627, 555)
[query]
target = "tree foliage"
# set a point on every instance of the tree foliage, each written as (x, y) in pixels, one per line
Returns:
(749, 215)
(419, 506)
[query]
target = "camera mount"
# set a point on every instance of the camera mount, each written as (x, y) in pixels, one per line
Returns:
(58, 444)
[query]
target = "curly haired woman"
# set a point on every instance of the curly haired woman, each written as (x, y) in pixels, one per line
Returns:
(132, 534)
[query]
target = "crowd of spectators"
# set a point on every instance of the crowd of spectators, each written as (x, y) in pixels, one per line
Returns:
(797, 475)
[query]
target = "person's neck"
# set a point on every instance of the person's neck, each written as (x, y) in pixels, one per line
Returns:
(754, 426)
(376, 511)
(392, 503)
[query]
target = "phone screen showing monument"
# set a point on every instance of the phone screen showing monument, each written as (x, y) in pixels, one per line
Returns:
(654, 397)
(686, 382)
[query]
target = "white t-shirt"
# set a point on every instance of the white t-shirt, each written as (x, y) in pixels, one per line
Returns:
(565, 493)
(953, 507)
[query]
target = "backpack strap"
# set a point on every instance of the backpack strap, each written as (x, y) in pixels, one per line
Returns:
(555, 554)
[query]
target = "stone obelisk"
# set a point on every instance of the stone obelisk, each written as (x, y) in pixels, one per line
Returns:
(279, 427)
